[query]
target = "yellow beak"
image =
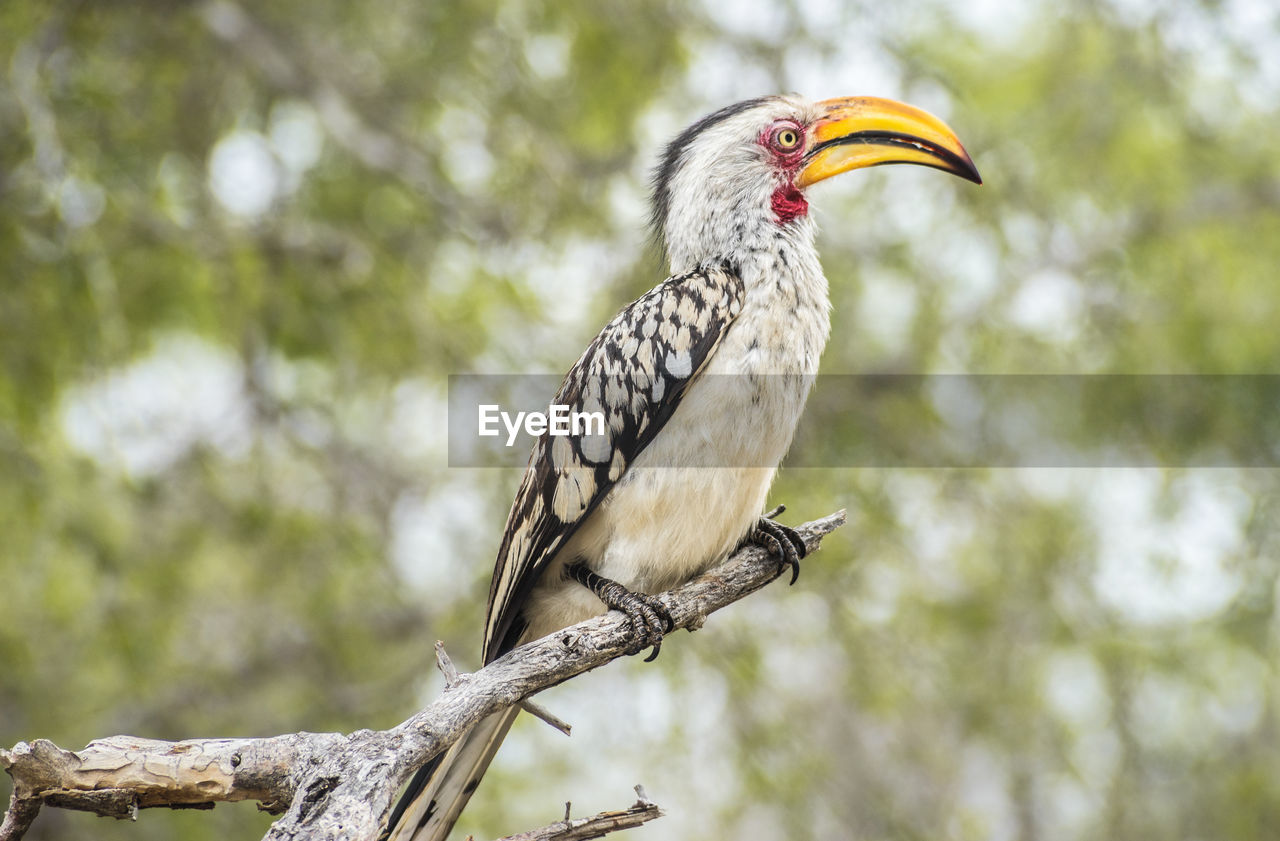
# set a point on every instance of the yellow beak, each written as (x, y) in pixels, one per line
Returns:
(860, 131)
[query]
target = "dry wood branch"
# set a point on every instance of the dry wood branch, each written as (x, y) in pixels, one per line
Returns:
(596, 826)
(540, 712)
(18, 817)
(335, 786)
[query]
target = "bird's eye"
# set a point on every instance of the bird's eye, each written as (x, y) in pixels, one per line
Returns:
(786, 138)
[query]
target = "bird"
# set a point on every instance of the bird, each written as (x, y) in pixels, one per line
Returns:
(701, 380)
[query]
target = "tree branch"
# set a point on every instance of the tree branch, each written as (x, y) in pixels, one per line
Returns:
(596, 826)
(336, 786)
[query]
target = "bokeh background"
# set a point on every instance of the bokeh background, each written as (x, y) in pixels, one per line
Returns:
(244, 245)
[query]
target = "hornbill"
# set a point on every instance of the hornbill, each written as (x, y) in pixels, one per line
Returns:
(710, 367)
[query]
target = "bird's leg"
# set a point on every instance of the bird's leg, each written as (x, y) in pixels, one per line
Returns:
(780, 540)
(650, 620)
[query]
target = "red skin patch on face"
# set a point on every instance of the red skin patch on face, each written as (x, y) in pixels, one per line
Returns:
(789, 204)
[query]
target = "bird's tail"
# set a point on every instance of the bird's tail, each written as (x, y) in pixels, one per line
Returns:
(441, 788)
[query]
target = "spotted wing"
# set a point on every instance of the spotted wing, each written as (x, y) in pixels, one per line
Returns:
(636, 373)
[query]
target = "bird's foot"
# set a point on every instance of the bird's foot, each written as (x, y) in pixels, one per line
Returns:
(782, 541)
(650, 620)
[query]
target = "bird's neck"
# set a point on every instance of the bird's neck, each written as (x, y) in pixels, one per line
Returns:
(785, 319)
(787, 307)
(754, 240)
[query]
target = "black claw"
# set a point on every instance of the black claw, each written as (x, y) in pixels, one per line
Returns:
(650, 620)
(783, 541)
(796, 540)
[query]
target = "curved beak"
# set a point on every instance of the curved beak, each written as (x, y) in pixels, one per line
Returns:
(860, 131)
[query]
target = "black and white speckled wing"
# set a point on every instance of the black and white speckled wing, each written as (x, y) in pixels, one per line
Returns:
(635, 372)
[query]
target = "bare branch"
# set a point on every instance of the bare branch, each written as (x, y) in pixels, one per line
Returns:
(596, 826)
(540, 712)
(17, 819)
(450, 671)
(335, 786)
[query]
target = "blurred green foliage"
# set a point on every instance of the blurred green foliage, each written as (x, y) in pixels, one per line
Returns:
(244, 247)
